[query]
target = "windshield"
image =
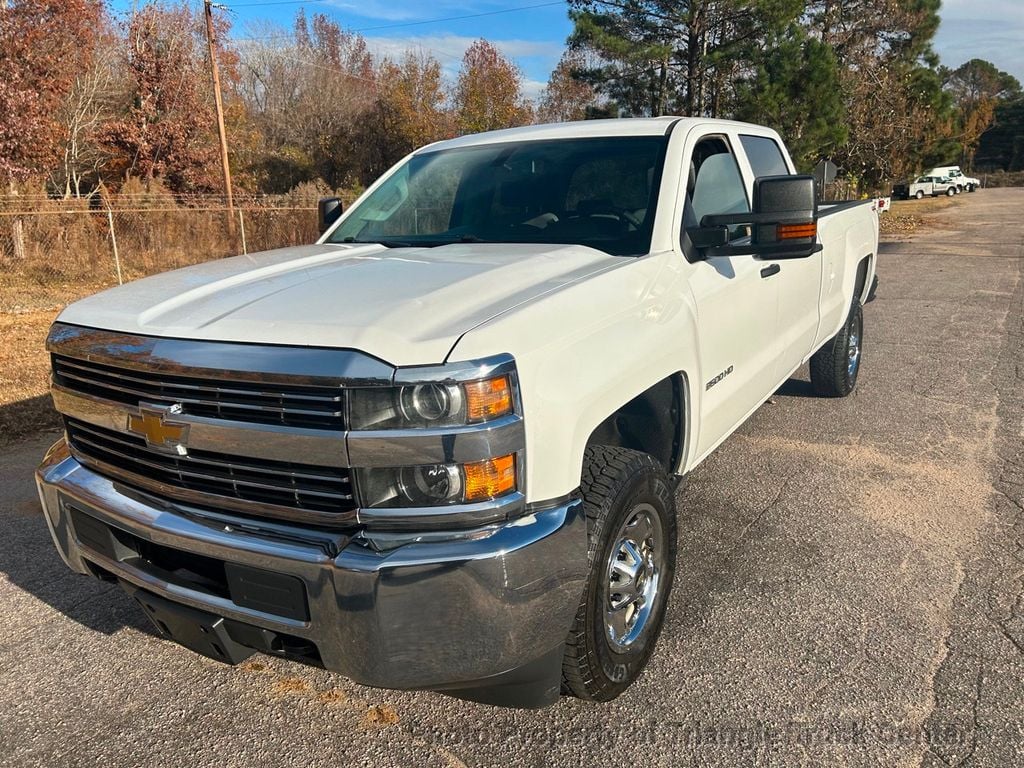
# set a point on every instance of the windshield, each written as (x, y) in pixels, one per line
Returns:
(599, 192)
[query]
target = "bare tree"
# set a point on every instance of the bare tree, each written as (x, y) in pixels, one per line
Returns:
(89, 105)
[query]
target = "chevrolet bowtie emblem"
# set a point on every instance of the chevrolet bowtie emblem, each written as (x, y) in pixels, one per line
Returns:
(152, 422)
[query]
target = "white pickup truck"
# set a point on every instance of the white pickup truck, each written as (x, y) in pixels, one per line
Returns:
(439, 448)
(932, 186)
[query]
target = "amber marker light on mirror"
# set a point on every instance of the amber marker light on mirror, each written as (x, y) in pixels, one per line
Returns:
(490, 478)
(796, 231)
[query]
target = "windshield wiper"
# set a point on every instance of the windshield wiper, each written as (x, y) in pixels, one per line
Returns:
(419, 243)
(385, 243)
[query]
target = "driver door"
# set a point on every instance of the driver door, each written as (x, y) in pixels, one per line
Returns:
(735, 296)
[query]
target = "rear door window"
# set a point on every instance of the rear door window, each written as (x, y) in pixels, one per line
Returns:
(765, 156)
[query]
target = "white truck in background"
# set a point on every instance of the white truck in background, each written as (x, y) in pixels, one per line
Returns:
(438, 449)
(930, 186)
(962, 182)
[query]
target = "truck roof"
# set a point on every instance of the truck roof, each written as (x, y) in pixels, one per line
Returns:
(628, 126)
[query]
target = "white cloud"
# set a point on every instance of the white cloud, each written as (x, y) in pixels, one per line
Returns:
(416, 11)
(983, 29)
(448, 48)
(532, 89)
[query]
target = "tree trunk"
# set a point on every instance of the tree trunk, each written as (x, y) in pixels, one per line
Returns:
(692, 59)
(663, 86)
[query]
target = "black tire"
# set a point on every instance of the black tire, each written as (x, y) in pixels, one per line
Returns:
(616, 483)
(919, 195)
(951, 191)
(970, 188)
(832, 374)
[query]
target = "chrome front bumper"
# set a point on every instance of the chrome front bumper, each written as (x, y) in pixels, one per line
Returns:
(472, 613)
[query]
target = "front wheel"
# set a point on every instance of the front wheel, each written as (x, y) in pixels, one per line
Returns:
(951, 191)
(835, 366)
(970, 187)
(919, 195)
(631, 529)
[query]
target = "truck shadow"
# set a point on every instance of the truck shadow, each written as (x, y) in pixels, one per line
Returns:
(797, 388)
(26, 417)
(30, 565)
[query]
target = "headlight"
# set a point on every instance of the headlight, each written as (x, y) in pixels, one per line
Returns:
(430, 404)
(430, 485)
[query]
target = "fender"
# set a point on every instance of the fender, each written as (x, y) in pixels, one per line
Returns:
(584, 351)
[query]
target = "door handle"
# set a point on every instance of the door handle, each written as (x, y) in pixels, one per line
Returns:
(771, 269)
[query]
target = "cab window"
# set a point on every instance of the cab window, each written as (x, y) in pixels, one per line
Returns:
(714, 185)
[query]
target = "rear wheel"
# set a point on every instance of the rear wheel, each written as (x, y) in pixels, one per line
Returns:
(631, 527)
(834, 367)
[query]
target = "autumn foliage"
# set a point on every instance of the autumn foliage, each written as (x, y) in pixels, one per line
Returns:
(164, 128)
(89, 103)
(92, 101)
(488, 94)
(43, 45)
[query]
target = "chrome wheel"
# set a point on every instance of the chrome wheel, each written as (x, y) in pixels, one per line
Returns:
(633, 576)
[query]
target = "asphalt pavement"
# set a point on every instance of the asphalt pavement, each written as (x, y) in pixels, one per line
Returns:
(849, 588)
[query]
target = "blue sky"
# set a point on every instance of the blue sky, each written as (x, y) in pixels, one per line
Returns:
(533, 34)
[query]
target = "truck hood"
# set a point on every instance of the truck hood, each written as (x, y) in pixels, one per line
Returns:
(407, 306)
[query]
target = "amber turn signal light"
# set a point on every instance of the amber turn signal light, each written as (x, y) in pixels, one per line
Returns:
(796, 231)
(488, 399)
(490, 478)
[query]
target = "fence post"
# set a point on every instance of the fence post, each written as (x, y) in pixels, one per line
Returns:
(113, 243)
(18, 235)
(241, 223)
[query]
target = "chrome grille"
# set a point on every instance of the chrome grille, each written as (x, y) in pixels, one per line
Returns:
(281, 488)
(292, 405)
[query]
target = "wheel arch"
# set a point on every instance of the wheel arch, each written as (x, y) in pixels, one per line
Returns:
(861, 285)
(656, 421)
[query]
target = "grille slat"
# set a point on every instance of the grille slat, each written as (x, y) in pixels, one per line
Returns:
(143, 396)
(127, 443)
(313, 489)
(185, 475)
(304, 406)
(127, 375)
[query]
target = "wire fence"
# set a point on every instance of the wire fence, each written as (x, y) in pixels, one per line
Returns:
(53, 252)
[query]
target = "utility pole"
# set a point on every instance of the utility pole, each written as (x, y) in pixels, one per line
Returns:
(215, 72)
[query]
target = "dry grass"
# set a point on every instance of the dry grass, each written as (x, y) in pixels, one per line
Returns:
(64, 253)
(906, 216)
(24, 374)
(1002, 179)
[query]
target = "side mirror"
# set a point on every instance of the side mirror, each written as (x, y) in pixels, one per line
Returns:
(328, 209)
(790, 205)
(784, 222)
